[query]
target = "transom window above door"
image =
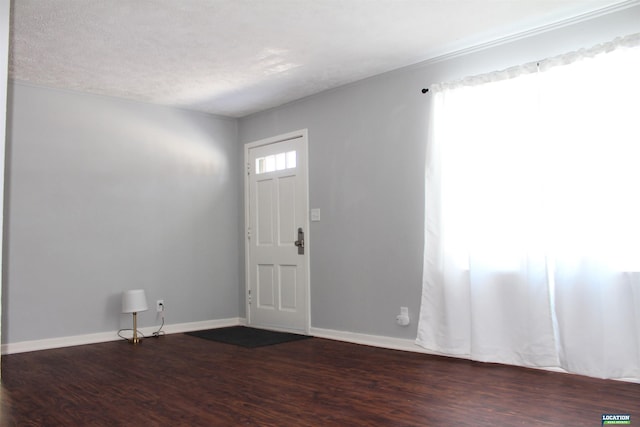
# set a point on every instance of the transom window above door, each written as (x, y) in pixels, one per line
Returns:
(276, 162)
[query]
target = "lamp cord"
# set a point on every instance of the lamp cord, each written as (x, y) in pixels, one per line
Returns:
(129, 329)
(155, 334)
(159, 331)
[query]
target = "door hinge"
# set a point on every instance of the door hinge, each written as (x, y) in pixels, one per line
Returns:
(249, 233)
(249, 296)
(248, 168)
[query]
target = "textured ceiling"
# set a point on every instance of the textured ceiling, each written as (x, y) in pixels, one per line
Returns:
(236, 57)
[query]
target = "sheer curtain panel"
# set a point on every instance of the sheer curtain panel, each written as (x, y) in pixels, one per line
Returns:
(532, 216)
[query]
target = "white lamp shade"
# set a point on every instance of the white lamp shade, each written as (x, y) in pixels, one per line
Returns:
(134, 301)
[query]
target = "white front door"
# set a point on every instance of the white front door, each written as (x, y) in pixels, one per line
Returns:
(277, 233)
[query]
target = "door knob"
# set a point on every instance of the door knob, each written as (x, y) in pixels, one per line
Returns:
(300, 242)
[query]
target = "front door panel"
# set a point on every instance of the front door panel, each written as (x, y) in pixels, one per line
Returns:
(277, 272)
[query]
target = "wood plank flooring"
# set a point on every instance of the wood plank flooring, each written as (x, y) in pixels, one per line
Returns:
(179, 380)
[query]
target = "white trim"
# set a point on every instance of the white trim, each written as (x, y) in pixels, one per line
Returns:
(391, 343)
(410, 345)
(304, 135)
(371, 340)
(59, 342)
(528, 33)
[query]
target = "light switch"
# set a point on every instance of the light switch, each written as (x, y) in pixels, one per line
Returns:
(315, 214)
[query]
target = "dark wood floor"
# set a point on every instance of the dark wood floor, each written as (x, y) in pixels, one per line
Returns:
(179, 380)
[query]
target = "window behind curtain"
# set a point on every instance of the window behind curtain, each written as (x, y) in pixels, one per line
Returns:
(533, 214)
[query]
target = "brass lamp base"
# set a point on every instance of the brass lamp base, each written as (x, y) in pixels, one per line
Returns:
(135, 339)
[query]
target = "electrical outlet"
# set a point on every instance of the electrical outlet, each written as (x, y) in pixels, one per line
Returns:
(160, 305)
(403, 318)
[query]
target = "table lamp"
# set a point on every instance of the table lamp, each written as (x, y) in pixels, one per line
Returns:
(132, 302)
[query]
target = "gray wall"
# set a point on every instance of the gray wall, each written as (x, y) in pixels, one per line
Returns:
(106, 195)
(366, 172)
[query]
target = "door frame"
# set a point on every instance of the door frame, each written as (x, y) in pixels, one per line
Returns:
(303, 134)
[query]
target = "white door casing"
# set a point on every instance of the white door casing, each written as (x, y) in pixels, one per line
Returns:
(276, 207)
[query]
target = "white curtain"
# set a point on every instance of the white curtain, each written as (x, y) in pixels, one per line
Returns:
(532, 216)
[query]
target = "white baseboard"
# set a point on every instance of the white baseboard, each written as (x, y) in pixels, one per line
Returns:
(372, 340)
(70, 341)
(407, 345)
(351, 337)
(49, 343)
(392, 343)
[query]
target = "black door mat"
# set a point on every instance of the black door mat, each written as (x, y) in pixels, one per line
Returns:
(247, 337)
